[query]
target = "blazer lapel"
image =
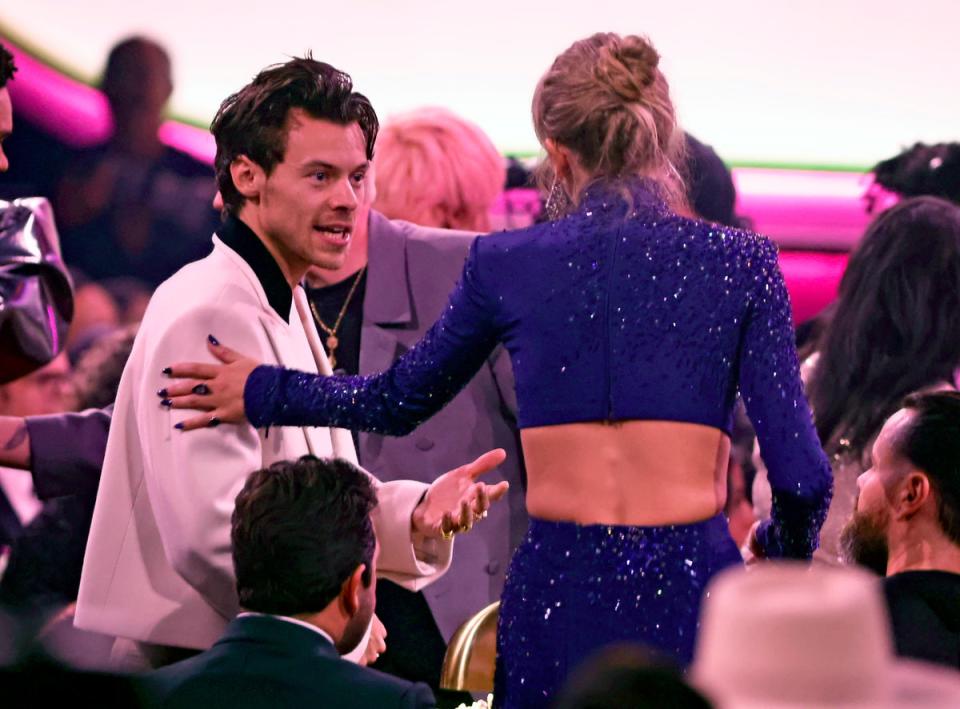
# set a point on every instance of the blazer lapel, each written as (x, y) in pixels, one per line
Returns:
(387, 301)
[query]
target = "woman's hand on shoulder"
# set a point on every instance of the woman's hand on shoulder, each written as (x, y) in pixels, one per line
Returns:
(216, 389)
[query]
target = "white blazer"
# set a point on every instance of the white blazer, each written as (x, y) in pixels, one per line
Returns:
(158, 567)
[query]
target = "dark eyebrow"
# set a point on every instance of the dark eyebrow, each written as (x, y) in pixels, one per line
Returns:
(315, 164)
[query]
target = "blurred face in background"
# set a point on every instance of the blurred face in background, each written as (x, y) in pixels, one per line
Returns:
(49, 390)
(138, 82)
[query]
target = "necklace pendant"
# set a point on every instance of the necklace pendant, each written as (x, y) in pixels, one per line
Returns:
(333, 361)
(332, 343)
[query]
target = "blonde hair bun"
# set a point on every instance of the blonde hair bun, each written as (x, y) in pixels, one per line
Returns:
(606, 99)
(628, 66)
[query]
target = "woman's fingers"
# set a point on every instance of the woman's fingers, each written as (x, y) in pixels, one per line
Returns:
(209, 420)
(222, 352)
(189, 401)
(191, 370)
(183, 387)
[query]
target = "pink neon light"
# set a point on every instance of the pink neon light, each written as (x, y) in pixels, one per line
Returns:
(78, 115)
(812, 279)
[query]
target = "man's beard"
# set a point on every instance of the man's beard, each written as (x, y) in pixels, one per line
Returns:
(863, 541)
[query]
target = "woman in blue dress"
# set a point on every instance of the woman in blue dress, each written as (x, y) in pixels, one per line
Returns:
(631, 330)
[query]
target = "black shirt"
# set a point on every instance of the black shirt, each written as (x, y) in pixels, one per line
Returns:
(239, 237)
(925, 611)
(326, 302)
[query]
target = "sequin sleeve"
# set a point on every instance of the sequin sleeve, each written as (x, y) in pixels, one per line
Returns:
(798, 470)
(396, 401)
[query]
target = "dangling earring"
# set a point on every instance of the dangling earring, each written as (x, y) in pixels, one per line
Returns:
(558, 203)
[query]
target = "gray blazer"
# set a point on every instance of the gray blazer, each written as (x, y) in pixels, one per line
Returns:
(411, 272)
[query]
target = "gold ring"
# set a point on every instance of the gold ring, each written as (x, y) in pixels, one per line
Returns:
(445, 535)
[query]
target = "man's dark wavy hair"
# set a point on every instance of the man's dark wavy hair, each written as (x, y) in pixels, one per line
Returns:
(932, 443)
(299, 530)
(253, 121)
(7, 67)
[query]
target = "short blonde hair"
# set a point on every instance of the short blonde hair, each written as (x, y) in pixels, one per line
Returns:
(434, 168)
(606, 99)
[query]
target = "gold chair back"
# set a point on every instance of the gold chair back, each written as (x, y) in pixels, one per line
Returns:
(471, 656)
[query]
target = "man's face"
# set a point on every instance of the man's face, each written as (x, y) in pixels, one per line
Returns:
(308, 203)
(357, 625)
(6, 125)
(49, 390)
(864, 539)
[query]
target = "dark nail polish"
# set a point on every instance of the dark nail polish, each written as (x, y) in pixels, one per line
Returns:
(167, 371)
(178, 426)
(162, 393)
(213, 340)
(201, 389)
(167, 403)
(214, 422)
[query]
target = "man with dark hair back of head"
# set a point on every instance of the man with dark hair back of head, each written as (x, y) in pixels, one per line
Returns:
(304, 552)
(906, 525)
(7, 69)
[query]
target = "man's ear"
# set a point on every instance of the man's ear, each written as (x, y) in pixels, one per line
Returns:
(351, 590)
(248, 177)
(912, 494)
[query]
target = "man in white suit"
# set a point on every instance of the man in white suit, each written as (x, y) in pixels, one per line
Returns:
(293, 148)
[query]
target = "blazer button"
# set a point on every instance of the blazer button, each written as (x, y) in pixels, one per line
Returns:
(424, 444)
(493, 567)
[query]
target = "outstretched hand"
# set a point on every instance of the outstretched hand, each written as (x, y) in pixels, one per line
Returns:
(213, 388)
(456, 500)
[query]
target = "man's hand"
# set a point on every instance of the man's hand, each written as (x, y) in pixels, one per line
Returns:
(456, 500)
(377, 643)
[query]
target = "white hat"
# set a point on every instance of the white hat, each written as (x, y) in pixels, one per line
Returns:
(789, 635)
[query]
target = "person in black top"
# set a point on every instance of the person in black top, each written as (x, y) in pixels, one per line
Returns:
(134, 207)
(906, 525)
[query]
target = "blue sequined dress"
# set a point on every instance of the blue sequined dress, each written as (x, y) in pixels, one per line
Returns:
(622, 310)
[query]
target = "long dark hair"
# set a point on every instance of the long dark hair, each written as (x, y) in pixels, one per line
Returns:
(896, 327)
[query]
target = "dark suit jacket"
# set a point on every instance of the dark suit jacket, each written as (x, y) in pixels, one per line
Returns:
(267, 662)
(410, 273)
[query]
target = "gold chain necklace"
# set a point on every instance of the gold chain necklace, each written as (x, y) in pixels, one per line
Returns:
(332, 341)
